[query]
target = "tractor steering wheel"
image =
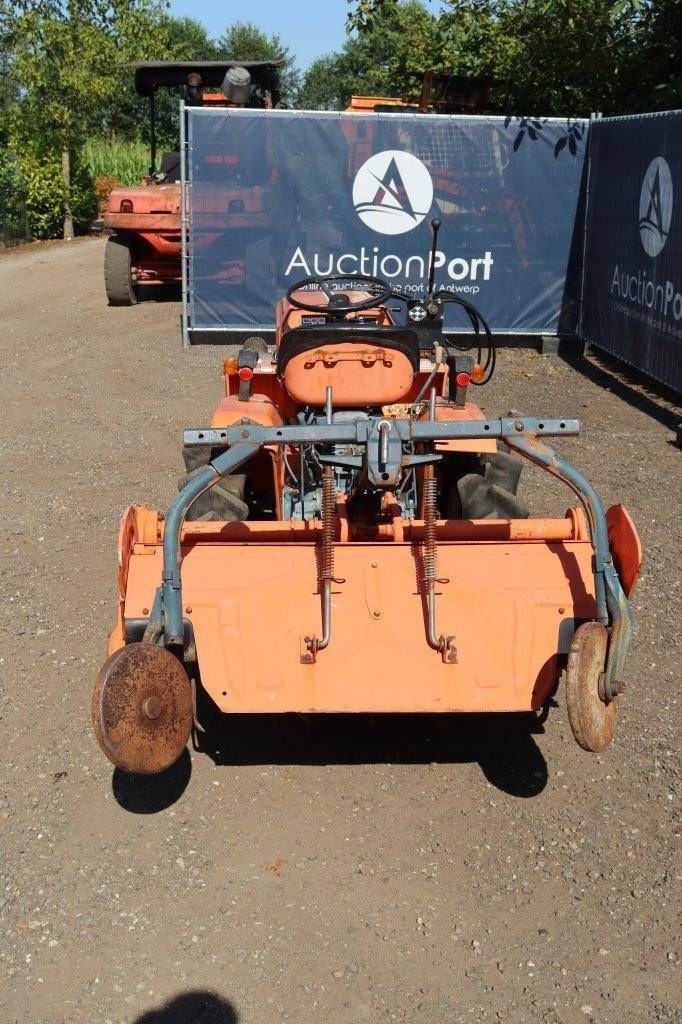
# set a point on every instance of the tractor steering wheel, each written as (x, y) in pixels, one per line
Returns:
(338, 304)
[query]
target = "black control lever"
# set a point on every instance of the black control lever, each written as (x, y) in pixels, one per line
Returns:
(435, 227)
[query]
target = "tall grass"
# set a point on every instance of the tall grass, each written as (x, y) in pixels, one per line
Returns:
(128, 162)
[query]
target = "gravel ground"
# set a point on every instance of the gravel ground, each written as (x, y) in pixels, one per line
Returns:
(432, 870)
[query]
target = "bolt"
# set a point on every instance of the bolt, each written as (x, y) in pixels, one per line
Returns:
(245, 433)
(518, 424)
(145, 611)
(152, 707)
(374, 565)
(561, 611)
(306, 659)
(376, 613)
(188, 611)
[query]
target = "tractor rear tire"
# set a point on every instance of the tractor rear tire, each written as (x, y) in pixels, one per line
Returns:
(118, 279)
(487, 491)
(224, 502)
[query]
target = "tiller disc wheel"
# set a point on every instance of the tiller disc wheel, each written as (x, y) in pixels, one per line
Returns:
(592, 719)
(142, 708)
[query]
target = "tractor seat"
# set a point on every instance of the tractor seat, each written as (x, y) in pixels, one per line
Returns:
(363, 364)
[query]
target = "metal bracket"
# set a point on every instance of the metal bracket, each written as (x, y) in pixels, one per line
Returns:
(171, 587)
(613, 608)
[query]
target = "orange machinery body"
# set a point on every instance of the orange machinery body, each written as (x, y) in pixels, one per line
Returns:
(511, 591)
(149, 216)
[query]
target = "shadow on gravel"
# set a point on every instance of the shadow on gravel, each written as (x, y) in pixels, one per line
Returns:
(639, 391)
(192, 1008)
(149, 794)
(159, 293)
(502, 744)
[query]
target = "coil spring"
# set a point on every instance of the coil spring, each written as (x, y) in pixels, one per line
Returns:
(430, 509)
(328, 513)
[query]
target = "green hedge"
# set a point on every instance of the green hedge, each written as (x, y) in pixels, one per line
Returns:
(13, 222)
(45, 197)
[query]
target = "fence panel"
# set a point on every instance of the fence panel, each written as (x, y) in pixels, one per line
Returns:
(632, 286)
(275, 196)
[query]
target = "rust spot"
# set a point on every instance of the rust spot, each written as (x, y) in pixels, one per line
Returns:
(142, 708)
(592, 720)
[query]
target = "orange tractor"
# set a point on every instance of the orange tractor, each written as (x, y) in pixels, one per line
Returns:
(146, 247)
(348, 538)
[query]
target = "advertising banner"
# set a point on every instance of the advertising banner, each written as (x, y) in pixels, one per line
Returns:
(632, 287)
(277, 196)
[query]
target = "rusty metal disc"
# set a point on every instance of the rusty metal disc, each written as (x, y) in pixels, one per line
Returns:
(592, 720)
(142, 708)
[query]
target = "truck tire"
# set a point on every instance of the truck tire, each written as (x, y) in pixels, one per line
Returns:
(117, 272)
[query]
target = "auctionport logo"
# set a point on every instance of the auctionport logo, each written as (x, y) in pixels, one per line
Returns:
(392, 192)
(655, 206)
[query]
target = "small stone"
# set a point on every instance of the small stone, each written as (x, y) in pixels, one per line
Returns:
(604, 952)
(337, 974)
(586, 1009)
(543, 931)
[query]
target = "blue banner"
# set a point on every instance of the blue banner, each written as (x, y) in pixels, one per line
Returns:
(632, 290)
(276, 196)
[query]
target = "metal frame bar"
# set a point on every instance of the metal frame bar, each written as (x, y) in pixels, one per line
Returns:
(171, 585)
(360, 431)
(613, 608)
(588, 175)
(335, 115)
(184, 205)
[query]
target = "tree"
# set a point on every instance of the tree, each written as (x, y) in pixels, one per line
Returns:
(387, 58)
(558, 57)
(245, 41)
(126, 115)
(68, 56)
(655, 70)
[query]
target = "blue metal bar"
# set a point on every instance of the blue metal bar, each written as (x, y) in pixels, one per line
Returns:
(171, 586)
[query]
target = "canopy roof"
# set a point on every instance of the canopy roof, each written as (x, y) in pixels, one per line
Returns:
(161, 74)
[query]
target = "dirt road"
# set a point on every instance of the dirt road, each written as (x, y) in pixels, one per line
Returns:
(430, 871)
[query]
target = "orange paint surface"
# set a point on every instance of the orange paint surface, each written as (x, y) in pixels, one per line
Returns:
(509, 603)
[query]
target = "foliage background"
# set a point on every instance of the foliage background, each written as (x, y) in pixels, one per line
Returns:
(66, 86)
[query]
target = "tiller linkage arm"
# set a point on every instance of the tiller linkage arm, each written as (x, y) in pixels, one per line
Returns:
(384, 457)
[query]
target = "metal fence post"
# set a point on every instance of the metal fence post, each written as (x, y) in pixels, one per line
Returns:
(183, 223)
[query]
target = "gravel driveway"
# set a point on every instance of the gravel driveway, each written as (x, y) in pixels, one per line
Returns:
(429, 870)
